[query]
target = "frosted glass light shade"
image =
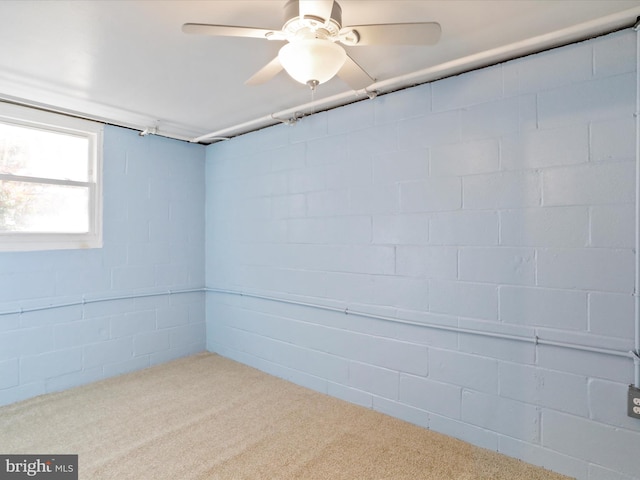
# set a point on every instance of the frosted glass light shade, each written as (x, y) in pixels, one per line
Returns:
(312, 59)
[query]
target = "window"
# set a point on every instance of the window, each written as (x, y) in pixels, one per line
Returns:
(50, 181)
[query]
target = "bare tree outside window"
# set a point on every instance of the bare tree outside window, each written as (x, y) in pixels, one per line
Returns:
(15, 198)
(50, 185)
(33, 162)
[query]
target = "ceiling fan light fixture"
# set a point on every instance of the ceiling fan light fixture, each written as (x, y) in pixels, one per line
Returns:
(312, 61)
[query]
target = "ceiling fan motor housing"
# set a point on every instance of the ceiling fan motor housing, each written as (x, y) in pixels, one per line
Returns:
(315, 38)
(323, 27)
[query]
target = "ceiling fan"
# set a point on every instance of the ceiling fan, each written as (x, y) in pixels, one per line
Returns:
(313, 31)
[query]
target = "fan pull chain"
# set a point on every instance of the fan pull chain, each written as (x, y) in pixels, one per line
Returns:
(313, 84)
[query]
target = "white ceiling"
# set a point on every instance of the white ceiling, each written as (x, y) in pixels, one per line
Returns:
(128, 62)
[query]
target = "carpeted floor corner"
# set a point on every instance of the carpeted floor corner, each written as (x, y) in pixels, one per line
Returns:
(208, 417)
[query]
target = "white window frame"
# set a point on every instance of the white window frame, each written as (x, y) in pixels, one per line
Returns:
(63, 124)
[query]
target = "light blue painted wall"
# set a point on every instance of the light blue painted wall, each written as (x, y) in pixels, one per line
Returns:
(153, 243)
(499, 200)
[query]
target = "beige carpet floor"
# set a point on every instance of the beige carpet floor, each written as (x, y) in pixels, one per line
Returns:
(208, 417)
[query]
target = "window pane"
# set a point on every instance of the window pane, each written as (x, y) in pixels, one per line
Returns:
(40, 208)
(38, 153)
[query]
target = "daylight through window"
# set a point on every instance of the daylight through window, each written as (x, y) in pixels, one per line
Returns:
(50, 195)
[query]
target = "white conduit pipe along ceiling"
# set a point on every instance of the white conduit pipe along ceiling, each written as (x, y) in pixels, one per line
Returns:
(540, 43)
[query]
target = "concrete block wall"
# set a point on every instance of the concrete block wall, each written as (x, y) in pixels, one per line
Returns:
(153, 243)
(500, 200)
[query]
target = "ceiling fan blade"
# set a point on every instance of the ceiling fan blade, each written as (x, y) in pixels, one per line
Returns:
(266, 73)
(397, 34)
(227, 30)
(354, 75)
(316, 8)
